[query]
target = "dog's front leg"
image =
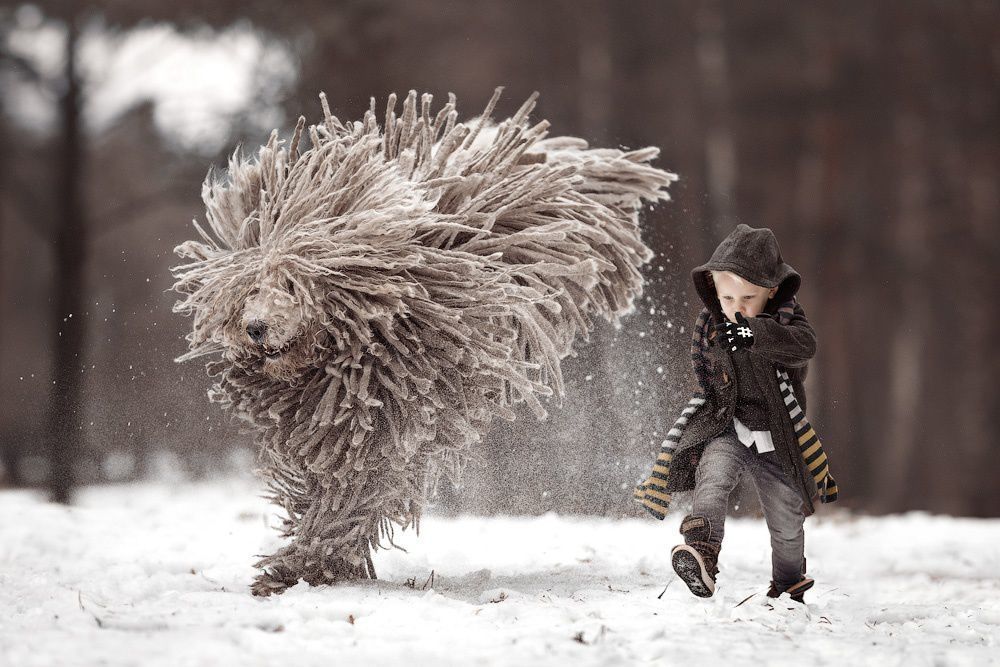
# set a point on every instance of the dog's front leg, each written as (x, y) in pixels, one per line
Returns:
(333, 529)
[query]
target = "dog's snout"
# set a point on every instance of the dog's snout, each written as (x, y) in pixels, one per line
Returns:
(256, 330)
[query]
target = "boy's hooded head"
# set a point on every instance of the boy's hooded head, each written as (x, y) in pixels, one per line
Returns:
(748, 268)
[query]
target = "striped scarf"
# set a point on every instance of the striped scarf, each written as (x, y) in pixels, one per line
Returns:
(652, 494)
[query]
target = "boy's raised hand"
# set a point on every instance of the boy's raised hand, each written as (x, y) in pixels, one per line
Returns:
(737, 336)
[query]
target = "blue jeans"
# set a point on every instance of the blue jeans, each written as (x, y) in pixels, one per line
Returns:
(724, 461)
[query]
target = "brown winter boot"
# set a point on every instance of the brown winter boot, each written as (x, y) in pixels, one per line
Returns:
(696, 561)
(797, 590)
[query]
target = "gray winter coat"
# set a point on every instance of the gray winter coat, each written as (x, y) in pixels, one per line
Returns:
(753, 255)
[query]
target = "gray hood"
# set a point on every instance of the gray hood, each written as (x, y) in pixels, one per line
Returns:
(753, 255)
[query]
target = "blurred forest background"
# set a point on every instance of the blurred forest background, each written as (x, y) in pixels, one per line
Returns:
(865, 134)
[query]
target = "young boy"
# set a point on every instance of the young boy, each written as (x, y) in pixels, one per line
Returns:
(750, 349)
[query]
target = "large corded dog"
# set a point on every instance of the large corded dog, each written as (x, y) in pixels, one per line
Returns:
(371, 303)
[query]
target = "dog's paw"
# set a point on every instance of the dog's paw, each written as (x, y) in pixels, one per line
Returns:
(268, 583)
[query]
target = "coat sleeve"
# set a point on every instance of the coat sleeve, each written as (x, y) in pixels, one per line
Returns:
(790, 345)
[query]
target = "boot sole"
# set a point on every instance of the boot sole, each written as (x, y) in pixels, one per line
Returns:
(795, 592)
(798, 590)
(690, 567)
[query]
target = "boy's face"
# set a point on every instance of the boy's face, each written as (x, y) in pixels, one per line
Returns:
(739, 296)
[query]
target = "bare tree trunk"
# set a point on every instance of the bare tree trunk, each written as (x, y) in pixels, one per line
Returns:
(908, 348)
(596, 64)
(720, 147)
(65, 408)
(980, 401)
(8, 460)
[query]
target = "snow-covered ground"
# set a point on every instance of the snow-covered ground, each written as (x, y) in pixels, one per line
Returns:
(157, 575)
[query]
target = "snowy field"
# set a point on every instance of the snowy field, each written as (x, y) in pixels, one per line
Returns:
(157, 575)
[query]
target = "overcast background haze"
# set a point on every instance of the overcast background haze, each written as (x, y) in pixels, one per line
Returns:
(866, 135)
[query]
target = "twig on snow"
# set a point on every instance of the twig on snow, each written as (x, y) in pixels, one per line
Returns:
(664, 590)
(97, 619)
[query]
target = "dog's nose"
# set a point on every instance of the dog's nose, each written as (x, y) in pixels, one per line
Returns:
(256, 330)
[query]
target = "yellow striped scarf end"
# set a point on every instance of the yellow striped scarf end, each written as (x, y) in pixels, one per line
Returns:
(819, 468)
(653, 497)
(828, 490)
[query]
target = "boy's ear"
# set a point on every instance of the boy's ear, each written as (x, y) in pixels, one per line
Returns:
(771, 292)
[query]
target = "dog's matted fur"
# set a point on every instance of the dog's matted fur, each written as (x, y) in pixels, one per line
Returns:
(371, 304)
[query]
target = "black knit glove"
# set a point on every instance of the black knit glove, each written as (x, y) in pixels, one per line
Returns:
(736, 336)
